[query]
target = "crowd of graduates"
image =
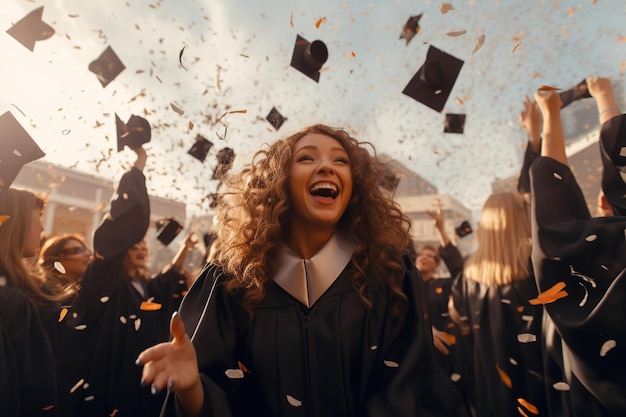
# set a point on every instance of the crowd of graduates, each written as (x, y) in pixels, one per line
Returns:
(312, 305)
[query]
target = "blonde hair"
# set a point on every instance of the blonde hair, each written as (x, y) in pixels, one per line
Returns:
(18, 272)
(504, 241)
(254, 211)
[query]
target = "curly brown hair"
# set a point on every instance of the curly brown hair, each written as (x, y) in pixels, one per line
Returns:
(254, 210)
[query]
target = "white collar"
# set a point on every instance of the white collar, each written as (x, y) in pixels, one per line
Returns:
(307, 279)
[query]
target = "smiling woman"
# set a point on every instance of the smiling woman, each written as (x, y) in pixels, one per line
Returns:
(312, 306)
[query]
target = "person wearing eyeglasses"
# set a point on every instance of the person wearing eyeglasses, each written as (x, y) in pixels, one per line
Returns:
(64, 259)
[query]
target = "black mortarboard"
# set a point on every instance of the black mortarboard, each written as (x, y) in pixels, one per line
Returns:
(225, 158)
(577, 92)
(31, 29)
(309, 57)
(133, 133)
(464, 229)
(455, 123)
(200, 148)
(390, 179)
(167, 230)
(275, 118)
(17, 148)
(411, 28)
(107, 66)
(613, 157)
(433, 82)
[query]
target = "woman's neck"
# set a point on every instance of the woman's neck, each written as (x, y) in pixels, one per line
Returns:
(307, 241)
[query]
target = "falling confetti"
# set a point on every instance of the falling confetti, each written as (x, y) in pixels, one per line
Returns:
(517, 45)
(177, 109)
(4, 218)
(319, 22)
(446, 7)
(62, 314)
(150, 306)
(293, 401)
(479, 43)
(550, 295)
(180, 58)
(607, 346)
(530, 407)
(59, 267)
(504, 377)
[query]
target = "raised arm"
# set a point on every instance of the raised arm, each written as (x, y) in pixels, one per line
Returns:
(553, 144)
(530, 120)
(601, 90)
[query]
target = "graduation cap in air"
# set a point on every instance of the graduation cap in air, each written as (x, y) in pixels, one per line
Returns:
(225, 158)
(107, 66)
(411, 28)
(578, 92)
(275, 118)
(464, 229)
(390, 180)
(17, 148)
(133, 133)
(433, 82)
(200, 148)
(309, 57)
(31, 29)
(167, 230)
(454, 123)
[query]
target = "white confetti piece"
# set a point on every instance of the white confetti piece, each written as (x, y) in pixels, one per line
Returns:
(234, 373)
(81, 327)
(526, 338)
(104, 299)
(132, 316)
(137, 324)
(391, 364)
(59, 267)
(455, 377)
(373, 347)
(89, 398)
(86, 385)
(607, 346)
(527, 317)
(604, 267)
(591, 238)
(76, 386)
(561, 386)
(557, 176)
(123, 319)
(294, 402)
(622, 151)
(513, 361)
(505, 301)
(584, 300)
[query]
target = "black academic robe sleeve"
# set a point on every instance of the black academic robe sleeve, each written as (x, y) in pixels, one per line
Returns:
(28, 379)
(338, 359)
(588, 257)
(523, 182)
(451, 256)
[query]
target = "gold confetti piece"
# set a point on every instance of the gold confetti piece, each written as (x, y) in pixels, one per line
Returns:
(59, 267)
(479, 43)
(606, 346)
(564, 30)
(293, 401)
(504, 377)
(561, 386)
(115, 410)
(77, 385)
(391, 364)
(550, 295)
(530, 407)
(180, 58)
(48, 408)
(158, 79)
(4, 217)
(459, 100)
(234, 373)
(438, 290)
(536, 75)
(62, 314)
(622, 67)
(291, 19)
(517, 45)
(450, 338)
(243, 367)
(446, 7)
(149, 306)
(353, 54)
(177, 109)
(622, 39)
(547, 88)
(319, 22)
(455, 34)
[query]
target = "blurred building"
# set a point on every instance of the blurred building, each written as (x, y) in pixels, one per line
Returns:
(583, 155)
(77, 202)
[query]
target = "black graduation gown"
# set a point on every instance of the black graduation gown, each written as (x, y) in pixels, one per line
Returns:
(337, 358)
(506, 336)
(28, 377)
(109, 312)
(585, 330)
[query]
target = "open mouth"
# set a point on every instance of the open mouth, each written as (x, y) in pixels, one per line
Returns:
(324, 189)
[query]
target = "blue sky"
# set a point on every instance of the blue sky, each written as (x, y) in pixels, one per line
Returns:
(237, 56)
